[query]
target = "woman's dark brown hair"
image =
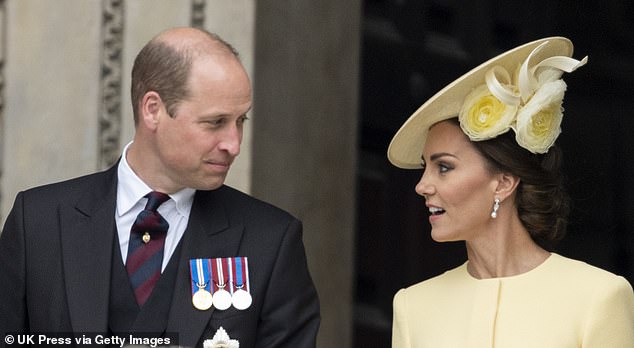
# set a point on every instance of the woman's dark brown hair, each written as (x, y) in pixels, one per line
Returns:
(541, 200)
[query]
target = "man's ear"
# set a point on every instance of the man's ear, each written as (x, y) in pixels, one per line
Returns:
(151, 108)
(506, 186)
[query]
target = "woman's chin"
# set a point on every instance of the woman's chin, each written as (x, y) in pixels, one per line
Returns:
(440, 237)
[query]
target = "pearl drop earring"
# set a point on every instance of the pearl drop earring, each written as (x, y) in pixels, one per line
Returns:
(496, 206)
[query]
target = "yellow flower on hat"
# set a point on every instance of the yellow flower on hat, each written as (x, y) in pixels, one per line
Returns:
(530, 103)
(483, 116)
(539, 122)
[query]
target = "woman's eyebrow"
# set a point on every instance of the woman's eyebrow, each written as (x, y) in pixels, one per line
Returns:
(441, 154)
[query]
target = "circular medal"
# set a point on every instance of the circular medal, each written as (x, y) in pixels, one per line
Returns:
(222, 299)
(202, 300)
(241, 299)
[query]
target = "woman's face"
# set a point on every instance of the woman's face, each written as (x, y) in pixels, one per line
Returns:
(458, 188)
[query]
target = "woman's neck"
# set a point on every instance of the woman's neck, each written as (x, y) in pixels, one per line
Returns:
(505, 250)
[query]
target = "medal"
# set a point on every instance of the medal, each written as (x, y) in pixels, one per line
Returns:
(220, 283)
(221, 297)
(202, 299)
(201, 296)
(241, 299)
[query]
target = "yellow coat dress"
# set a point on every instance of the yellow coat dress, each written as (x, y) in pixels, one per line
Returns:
(561, 303)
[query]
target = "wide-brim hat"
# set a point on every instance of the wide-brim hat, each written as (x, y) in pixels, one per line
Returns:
(406, 147)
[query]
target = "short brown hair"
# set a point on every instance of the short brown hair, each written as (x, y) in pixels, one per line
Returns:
(165, 69)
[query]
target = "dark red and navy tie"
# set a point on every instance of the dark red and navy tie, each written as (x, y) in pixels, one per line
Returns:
(145, 250)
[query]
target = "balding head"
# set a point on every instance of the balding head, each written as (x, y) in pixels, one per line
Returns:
(195, 41)
(164, 64)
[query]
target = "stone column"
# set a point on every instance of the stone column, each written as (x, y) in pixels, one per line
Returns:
(304, 144)
(52, 75)
(3, 29)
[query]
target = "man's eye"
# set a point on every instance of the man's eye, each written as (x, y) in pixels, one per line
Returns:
(243, 119)
(216, 123)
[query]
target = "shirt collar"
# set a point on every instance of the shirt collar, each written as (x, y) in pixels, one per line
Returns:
(131, 189)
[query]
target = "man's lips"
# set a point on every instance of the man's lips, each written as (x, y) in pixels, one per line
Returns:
(222, 165)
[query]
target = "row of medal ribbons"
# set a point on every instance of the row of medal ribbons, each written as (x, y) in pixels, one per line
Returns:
(220, 283)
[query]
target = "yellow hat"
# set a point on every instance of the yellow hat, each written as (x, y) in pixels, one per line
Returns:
(495, 75)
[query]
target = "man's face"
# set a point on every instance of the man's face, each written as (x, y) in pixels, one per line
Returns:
(197, 145)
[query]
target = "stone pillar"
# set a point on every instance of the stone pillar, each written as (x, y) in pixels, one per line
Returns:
(3, 30)
(52, 75)
(304, 144)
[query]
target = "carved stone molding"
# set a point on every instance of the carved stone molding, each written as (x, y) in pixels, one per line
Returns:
(111, 80)
(198, 13)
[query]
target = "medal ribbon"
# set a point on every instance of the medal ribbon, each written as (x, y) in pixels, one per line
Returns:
(242, 273)
(231, 272)
(199, 272)
(220, 273)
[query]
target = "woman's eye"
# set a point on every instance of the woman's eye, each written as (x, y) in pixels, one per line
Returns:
(443, 168)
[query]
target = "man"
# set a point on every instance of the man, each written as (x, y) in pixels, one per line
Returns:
(69, 252)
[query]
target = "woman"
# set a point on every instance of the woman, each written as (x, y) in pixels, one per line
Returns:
(491, 177)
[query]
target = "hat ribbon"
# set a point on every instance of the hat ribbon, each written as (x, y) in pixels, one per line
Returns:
(499, 82)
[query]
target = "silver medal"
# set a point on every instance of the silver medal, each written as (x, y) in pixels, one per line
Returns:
(222, 299)
(241, 299)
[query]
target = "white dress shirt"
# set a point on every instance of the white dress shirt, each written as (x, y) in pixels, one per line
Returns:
(130, 201)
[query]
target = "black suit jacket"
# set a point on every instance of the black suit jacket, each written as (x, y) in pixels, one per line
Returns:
(56, 255)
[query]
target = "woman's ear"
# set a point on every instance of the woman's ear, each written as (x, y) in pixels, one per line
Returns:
(151, 107)
(506, 185)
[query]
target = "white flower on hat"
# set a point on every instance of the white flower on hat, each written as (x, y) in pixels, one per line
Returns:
(538, 123)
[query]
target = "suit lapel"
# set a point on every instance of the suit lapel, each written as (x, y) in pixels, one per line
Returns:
(209, 234)
(87, 232)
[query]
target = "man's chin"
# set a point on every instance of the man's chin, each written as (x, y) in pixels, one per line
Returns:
(211, 184)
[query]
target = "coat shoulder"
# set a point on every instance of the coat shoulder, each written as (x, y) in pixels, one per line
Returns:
(100, 183)
(239, 203)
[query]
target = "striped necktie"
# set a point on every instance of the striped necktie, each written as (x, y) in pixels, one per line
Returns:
(145, 249)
